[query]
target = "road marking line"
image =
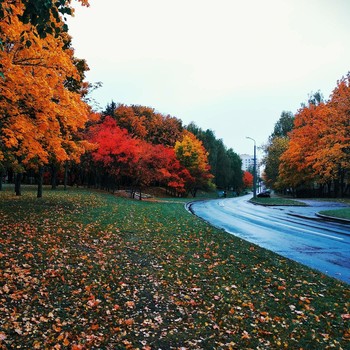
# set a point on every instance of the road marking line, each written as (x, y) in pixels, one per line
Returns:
(313, 232)
(221, 204)
(299, 229)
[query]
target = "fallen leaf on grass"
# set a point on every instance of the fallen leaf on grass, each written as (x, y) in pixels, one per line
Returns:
(245, 335)
(130, 304)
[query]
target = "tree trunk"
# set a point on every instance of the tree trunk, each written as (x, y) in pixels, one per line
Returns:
(53, 177)
(1, 177)
(336, 188)
(10, 176)
(194, 192)
(18, 184)
(65, 175)
(40, 182)
(342, 183)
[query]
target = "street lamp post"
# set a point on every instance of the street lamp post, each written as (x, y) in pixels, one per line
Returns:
(254, 168)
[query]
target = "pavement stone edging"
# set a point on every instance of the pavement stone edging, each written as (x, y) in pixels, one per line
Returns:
(333, 218)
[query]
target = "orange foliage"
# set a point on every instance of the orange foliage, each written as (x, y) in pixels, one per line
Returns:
(296, 161)
(320, 141)
(39, 115)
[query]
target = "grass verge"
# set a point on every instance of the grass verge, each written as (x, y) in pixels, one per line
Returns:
(87, 270)
(276, 201)
(338, 213)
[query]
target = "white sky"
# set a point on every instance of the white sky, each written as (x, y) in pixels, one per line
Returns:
(231, 66)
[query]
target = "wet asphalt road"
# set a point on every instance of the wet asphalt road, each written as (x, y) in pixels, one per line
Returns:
(293, 232)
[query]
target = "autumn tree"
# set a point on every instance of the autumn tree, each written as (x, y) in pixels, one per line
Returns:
(194, 157)
(123, 157)
(247, 179)
(40, 114)
(116, 150)
(207, 137)
(318, 149)
(145, 123)
(295, 163)
(158, 164)
(44, 16)
(332, 159)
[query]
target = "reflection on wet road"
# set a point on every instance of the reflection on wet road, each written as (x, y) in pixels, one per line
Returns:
(292, 232)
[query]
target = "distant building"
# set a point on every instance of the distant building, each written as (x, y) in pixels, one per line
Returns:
(248, 163)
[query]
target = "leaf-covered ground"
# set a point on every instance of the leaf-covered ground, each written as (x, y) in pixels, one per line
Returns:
(82, 270)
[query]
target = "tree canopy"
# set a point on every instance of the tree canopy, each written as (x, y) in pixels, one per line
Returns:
(314, 157)
(225, 164)
(42, 110)
(44, 16)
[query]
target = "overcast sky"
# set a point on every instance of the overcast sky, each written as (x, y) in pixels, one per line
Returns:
(231, 66)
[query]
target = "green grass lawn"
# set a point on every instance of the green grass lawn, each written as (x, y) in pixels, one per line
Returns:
(343, 213)
(88, 270)
(276, 201)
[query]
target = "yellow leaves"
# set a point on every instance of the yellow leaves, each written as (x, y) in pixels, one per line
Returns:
(193, 156)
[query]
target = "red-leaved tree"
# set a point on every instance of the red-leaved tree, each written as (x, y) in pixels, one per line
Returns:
(247, 179)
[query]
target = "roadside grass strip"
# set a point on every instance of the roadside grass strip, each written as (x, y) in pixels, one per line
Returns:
(343, 213)
(88, 270)
(276, 201)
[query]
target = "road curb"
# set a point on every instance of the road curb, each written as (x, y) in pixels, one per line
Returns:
(321, 216)
(333, 218)
(303, 216)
